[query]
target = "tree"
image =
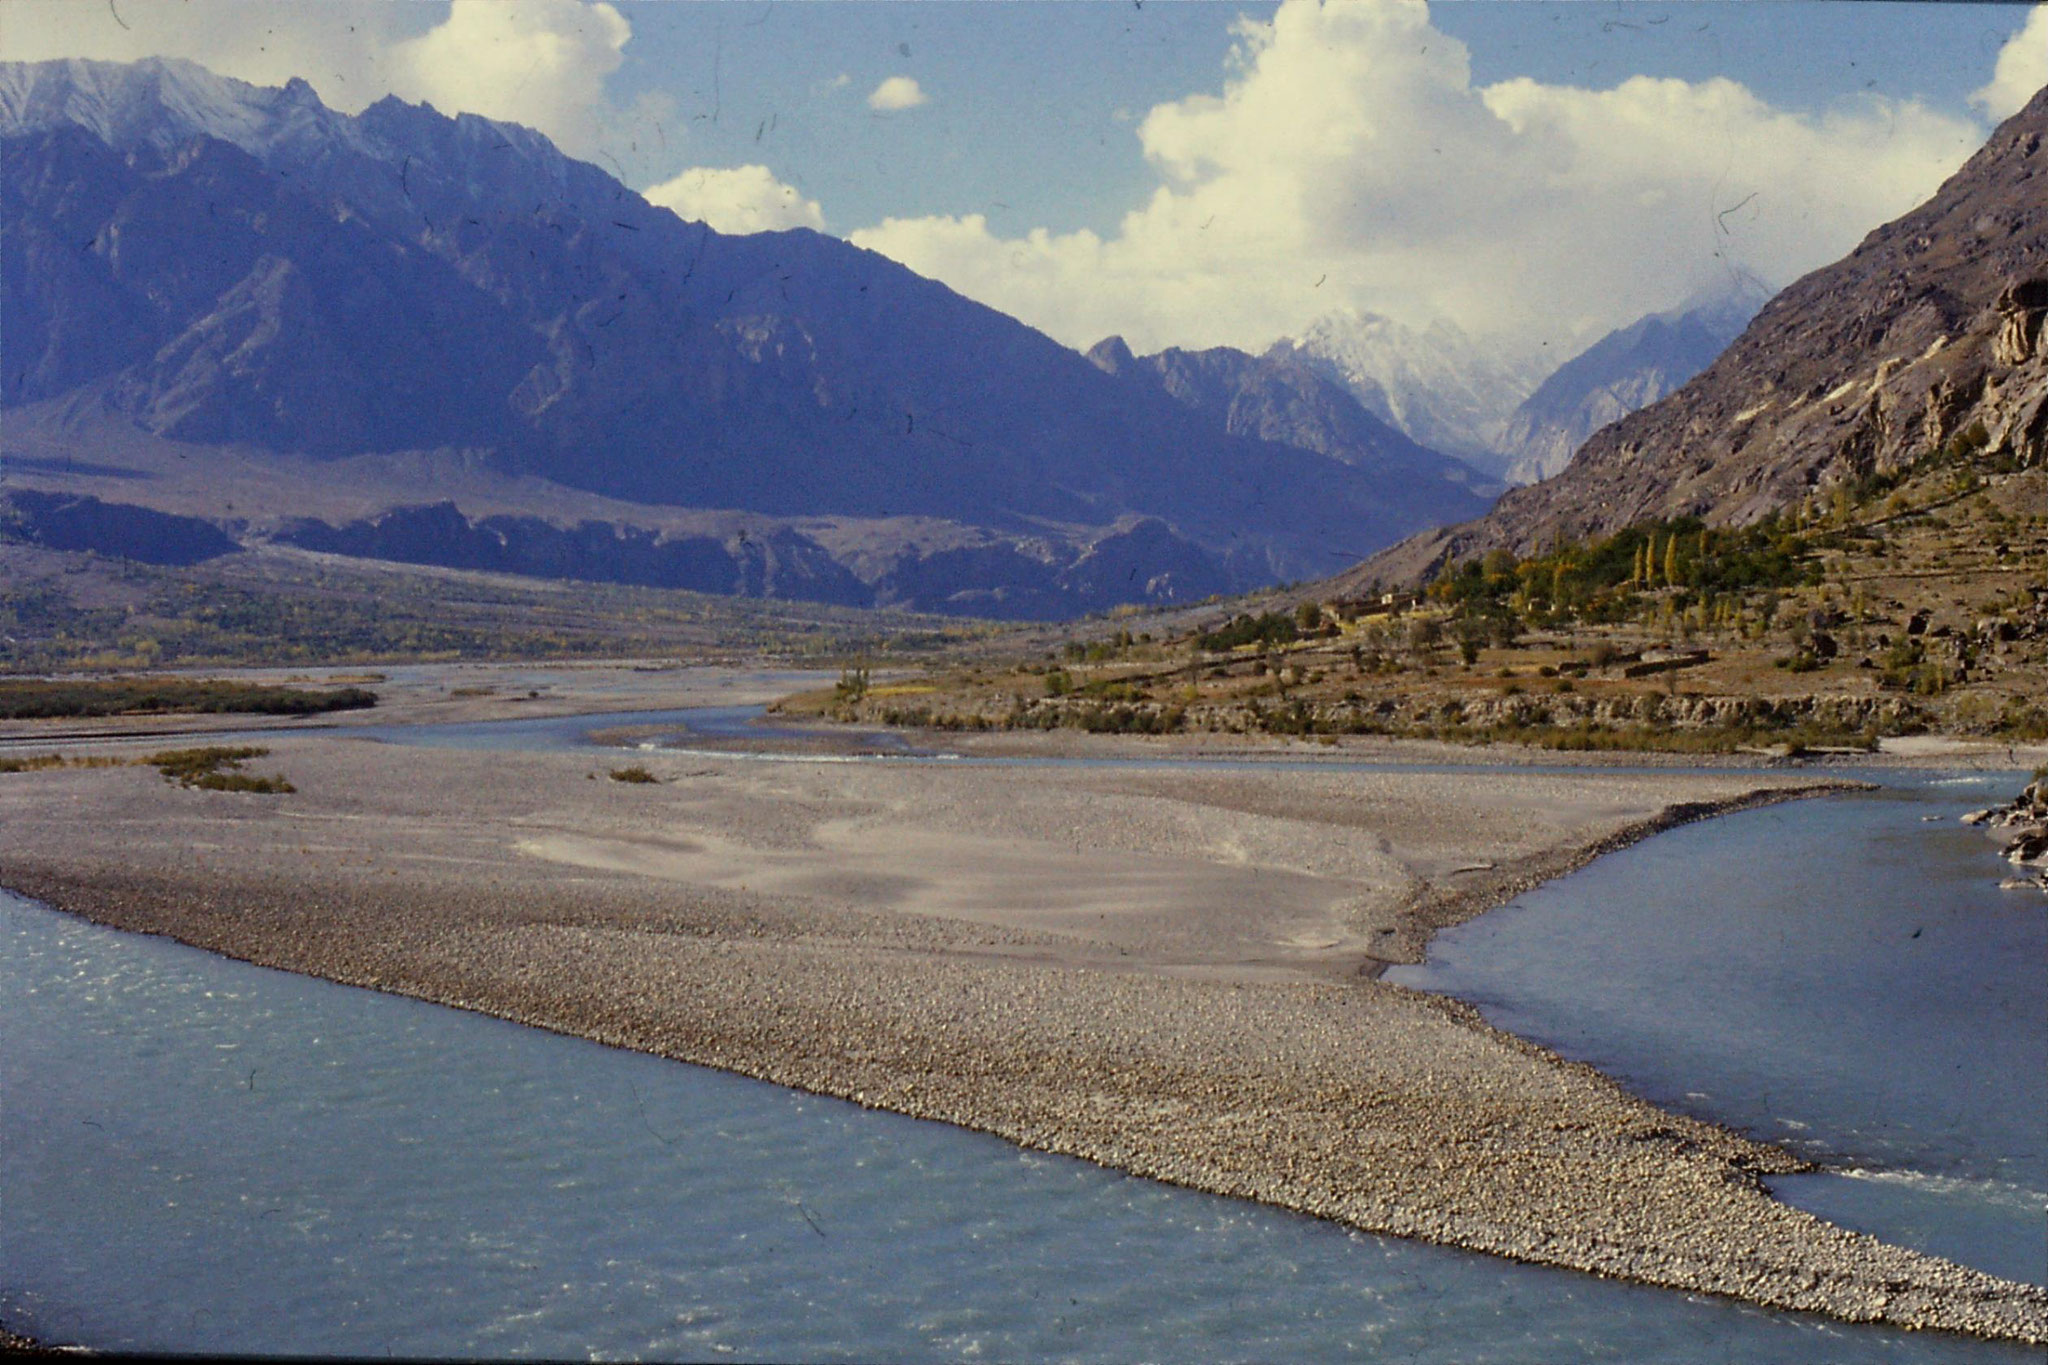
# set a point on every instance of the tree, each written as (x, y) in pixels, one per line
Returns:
(1471, 635)
(1423, 634)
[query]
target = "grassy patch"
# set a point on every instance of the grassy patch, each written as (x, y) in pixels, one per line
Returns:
(36, 763)
(217, 768)
(636, 773)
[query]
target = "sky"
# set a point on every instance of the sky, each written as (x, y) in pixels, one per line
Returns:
(1199, 174)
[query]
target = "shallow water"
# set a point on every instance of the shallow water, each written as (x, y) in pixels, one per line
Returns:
(1841, 976)
(200, 1155)
(678, 730)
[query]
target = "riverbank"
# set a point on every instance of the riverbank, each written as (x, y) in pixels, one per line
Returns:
(1159, 970)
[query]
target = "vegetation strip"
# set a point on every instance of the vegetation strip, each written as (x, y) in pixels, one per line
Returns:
(1814, 628)
(32, 699)
(212, 768)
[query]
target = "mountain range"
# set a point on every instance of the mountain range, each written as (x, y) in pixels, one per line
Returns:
(407, 335)
(1502, 410)
(1923, 341)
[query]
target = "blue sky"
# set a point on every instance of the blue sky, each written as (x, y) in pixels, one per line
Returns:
(1200, 173)
(1032, 105)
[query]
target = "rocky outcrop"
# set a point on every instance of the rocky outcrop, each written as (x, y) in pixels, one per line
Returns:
(2020, 310)
(60, 521)
(1282, 398)
(1044, 577)
(1925, 339)
(969, 571)
(771, 562)
(2021, 827)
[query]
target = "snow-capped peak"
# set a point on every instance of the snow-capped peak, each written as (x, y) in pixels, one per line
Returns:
(1440, 386)
(160, 103)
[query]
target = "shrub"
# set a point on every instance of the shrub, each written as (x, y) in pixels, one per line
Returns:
(636, 773)
(1272, 628)
(216, 768)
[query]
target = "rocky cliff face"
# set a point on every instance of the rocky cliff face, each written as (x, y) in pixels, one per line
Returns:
(218, 263)
(1929, 333)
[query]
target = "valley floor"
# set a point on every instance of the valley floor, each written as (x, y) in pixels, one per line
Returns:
(1165, 970)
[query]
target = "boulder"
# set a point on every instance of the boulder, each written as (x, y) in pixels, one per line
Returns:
(2030, 849)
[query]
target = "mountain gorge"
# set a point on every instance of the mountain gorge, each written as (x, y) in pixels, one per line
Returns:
(1925, 342)
(237, 271)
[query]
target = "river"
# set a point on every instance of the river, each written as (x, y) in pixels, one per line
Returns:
(201, 1155)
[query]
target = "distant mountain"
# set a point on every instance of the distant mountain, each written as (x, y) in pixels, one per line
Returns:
(1927, 334)
(1625, 370)
(1280, 397)
(229, 266)
(1440, 387)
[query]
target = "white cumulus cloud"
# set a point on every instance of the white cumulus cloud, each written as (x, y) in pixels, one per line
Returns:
(737, 199)
(2021, 71)
(1350, 162)
(542, 63)
(897, 92)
